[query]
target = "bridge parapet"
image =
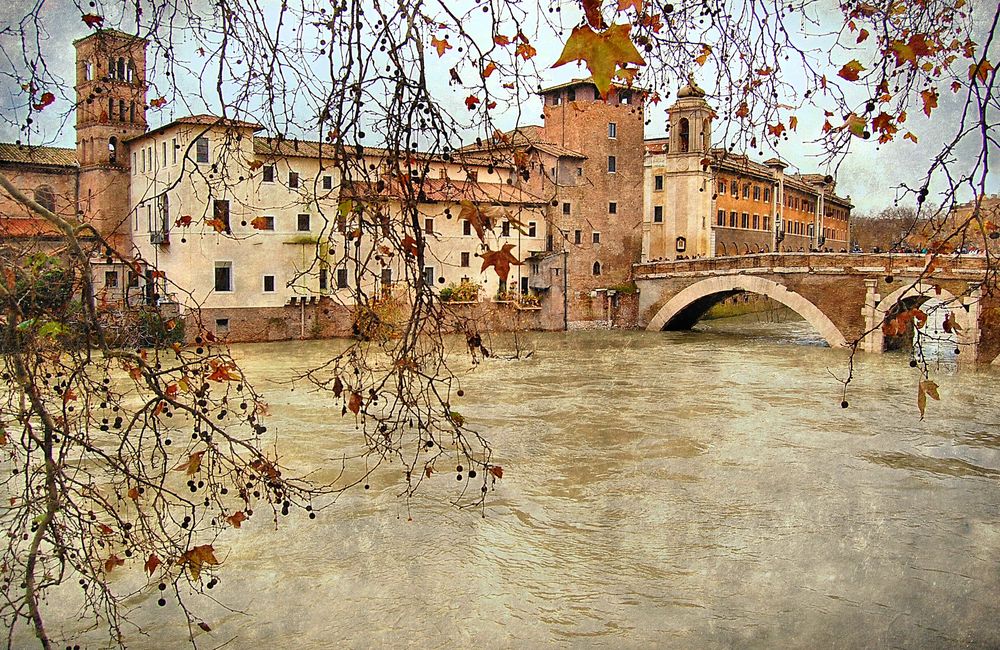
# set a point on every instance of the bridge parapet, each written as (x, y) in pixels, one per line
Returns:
(964, 266)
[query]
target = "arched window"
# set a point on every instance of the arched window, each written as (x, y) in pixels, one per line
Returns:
(121, 69)
(111, 69)
(121, 110)
(45, 198)
(111, 109)
(597, 268)
(130, 71)
(131, 113)
(685, 134)
(113, 150)
(88, 70)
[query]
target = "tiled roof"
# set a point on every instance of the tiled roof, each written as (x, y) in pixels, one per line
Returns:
(203, 119)
(443, 189)
(17, 227)
(51, 156)
(529, 136)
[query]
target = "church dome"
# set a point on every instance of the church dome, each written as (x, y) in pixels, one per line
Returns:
(691, 89)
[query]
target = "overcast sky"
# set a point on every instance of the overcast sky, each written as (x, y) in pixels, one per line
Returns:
(868, 174)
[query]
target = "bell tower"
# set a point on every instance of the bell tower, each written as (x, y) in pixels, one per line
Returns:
(690, 122)
(110, 109)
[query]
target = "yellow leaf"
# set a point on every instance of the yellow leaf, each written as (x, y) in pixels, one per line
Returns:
(851, 70)
(441, 45)
(603, 52)
(702, 58)
(198, 557)
(980, 70)
(192, 464)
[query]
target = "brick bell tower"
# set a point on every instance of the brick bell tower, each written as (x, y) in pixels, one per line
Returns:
(111, 107)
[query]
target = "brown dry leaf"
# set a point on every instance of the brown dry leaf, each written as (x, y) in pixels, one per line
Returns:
(441, 45)
(198, 557)
(496, 471)
(237, 519)
(592, 12)
(500, 260)
(930, 99)
(354, 403)
(152, 563)
(192, 464)
(112, 562)
(133, 493)
(851, 70)
(602, 52)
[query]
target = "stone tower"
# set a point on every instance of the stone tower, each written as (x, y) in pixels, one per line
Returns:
(111, 108)
(597, 207)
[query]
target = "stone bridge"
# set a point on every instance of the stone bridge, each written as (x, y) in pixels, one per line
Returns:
(845, 297)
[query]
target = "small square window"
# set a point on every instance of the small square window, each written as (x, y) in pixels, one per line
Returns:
(268, 284)
(565, 208)
(268, 174)
(111, 279)
(222, 326)
(323, 278)
(465, 259)
(612, 208)
(429, 226)
(657, 214)
(597, 237)
(612, 164)
(328, 182)
(429, 276)
(532, 229)
(579, 171)
(293, 180)
(302, 223)
(466, 227)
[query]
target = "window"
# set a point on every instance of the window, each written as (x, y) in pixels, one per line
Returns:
(505, 229)
(221, 214)
(744, 220)
(324, 274)
(612, 130)
(266, 223)
(532, 229)
(722, 187)
(131, 112)
(756, 222)
(597, 237)
(45, 198)
(465, 260)
(224, 276)
(429, 226)
(658, 183)
(734, 189)
(341, 278)
(386, 276)
(767, 222)
(268, 284)
(612, 208)
(746, 191)
(612, 164)
(293, 180)
(732, 219)
(720, 218)
(657, 214)
(556, 100)
(466, 227)
(113, 150)
(597, 268)
(571, 95)
(579, 171)
(577, 236)
(222, 326)
(429, 276)
(328, 182)
(302, 223)
(756, 193)
(685, 135)
(121, 110)
(201, 149)
(767, 194)
(565, 208)
(88, 71)
(173, 144)
(111, 279)
(164, 147)
(268, 174)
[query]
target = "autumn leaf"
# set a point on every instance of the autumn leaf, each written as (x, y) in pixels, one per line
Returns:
(159, 102)
(856, 125)
(500, 260)
(602, 52)
(862, 35)
(198, 557)
(471, 101)
(776, 130)
(105, 529)
(793, 123)
(500, 39)
(652, 21)
(183, 221)
(702, 58)
(743, 111)
(112, 562)
(950, 324)
(43, 101)
(192, 464)
(930, 99)
(924, 389)
(69, 396)
(354, 403)
(152, 563)
(223, 372)
(476, 217)
(428, 470)
(260, 223)
(441, 45)
(496, 471)
(409, 246)
(489, 69)
(980, 71)
(133, 493)
(93, 20)
(237, 519)
(265, 468)
(525, 50)
(851, 70)
(910, 136)
(625, 4)
(219, 225)
(592, 12)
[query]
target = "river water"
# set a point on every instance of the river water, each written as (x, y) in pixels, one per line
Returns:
(678, 489)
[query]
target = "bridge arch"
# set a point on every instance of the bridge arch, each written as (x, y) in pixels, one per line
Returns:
(919, 293)
(683, 310)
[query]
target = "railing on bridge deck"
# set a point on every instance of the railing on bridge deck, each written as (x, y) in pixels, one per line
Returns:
(848, 263)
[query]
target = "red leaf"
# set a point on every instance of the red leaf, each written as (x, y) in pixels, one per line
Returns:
(500, 39)
(152, 563)
(219, 225)
(198, 557)
(93, 20)
(496, 471)
(489, 69)
(105, 529)
(112, 562)
(133, 493)
(471, 101)
(851, 70)
(354, 404)
(159, 102)
(930, 99)
(237, 519)
(46, 99)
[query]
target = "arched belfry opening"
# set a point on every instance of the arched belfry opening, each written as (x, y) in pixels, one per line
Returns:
(684, 136)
